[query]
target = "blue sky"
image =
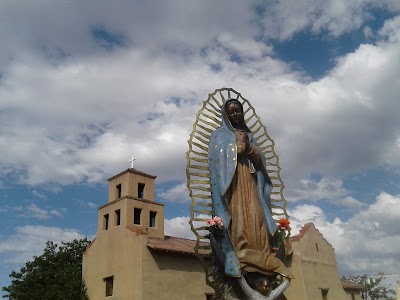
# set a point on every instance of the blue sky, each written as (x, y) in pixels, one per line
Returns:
(83, 86)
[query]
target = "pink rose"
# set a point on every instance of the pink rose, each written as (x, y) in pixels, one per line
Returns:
(217, 219)
(211, 222)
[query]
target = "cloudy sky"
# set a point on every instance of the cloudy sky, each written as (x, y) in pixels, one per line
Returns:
(84, 85)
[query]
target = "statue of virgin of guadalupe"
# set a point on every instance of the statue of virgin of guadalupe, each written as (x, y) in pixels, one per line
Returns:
(240, 191)
(241, 196)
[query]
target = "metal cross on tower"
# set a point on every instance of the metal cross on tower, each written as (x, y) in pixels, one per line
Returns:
(131, 161)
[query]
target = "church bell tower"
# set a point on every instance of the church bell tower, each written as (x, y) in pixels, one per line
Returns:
(131, 204)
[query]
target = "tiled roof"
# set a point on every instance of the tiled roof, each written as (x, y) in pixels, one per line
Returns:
(173, 244)
(351, 285)
(133, 170)
(180, 245)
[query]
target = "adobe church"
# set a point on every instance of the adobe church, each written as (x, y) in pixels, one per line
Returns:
(131, 258)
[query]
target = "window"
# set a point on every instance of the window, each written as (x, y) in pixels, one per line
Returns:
(109, 285)
(316, 246)
(324, 293)
(136, 215)
(141, 190)
(153, 215)
(117, 217)
(353, 297)
(119, 191)
(105, 221)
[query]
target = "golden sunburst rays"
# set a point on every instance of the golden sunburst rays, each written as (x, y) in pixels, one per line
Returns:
(198, 178)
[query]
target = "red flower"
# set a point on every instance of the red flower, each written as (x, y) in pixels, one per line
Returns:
(284, 224)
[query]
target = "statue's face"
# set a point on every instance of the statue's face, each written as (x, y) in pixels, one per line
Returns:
(234, 113)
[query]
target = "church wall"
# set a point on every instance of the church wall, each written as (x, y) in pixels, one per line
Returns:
(319, 277)
(116, 252)
(173, 276)
(314, 266)
(296, 290)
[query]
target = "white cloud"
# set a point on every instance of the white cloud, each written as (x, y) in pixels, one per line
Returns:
(33, 211)
(179, 227)
(86, 122)
(324, 188)
(350, 202)
(173, 25)
(345, 122)
(36, 212)
(384, 214)
(178, 193)
(390, 29)
(368, 33)
(330, 189)
(244, 47)
(326, 122)
(55, 213)
(306, 213)
(285, 18)
(92, 205)
(39, 195)
(28, 241)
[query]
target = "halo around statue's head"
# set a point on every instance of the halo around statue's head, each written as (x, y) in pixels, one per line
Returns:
(208, 119)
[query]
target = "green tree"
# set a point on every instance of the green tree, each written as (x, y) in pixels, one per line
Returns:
(54, 275)
(373, 290)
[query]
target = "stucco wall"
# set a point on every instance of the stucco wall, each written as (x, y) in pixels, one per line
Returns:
(314, 267)
(173, 276)
(140, 273)
(116, 252)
